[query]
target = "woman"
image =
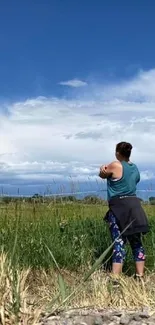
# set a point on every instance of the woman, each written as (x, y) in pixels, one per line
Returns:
(125, 212)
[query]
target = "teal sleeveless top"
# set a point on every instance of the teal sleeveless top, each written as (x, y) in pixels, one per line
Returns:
(126, 185)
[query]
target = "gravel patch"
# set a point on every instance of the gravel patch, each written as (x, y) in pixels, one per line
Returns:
(99, 317)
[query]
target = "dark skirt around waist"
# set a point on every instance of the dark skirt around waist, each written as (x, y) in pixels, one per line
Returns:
(129, 213)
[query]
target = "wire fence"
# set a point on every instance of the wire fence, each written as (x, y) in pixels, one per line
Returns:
(98, 196)
(88, 192)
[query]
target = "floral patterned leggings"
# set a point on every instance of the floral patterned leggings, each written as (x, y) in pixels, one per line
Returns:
(119, 252)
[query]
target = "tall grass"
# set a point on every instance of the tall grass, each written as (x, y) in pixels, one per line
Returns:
(74, 232)
(43, 245)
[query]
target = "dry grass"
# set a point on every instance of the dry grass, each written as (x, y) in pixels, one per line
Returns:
(26, 294)
(99, 292)
(15, 306)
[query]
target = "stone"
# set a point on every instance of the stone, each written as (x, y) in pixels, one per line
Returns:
(72, 313)
(85, 312)
(146, 309)
(133, 322)
(98, 320)
(106, 317)
(115, 319)
(124, 320)
(52, 318)
(117, 313)
(89, 320)
(99, 317)
(144, 314)
(136, 318)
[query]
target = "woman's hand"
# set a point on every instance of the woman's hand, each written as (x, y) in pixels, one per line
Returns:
(103, 168)
(103, 173)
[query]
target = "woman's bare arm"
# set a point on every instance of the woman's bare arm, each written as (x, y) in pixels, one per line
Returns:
(109, 170)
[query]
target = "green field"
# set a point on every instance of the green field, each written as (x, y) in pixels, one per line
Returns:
(74, 232)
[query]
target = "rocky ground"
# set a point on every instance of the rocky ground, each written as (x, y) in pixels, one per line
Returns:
(99, 317)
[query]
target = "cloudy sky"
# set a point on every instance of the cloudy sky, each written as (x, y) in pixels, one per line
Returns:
(74, 82)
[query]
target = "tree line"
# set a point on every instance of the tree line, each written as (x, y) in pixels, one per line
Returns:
(89, 199)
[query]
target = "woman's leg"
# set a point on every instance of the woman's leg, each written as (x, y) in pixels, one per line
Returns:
(119, 245)
(138, 253)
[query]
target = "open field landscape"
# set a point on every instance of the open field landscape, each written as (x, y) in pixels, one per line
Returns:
(77, 128)
(48, 251)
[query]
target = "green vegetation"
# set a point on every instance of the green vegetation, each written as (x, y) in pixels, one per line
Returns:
(51, 250)
(73, 230)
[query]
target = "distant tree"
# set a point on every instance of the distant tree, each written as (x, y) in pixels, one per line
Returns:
(6, 199)
(66, 198)
(92, 199)
(152, 200)
(71, 198)
(29, 199)
(37, 198)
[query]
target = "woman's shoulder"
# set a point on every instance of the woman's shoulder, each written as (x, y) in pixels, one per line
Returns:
(114, 166)
(115, 163)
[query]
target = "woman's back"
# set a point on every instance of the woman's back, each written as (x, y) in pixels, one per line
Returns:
(126, 185)
(125, 211)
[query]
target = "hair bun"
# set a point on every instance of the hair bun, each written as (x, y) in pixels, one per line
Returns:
(127, 146)
(124, 148)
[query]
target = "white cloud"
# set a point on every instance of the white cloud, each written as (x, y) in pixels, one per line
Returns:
(147, 175)
(47, 137)
(75, 83)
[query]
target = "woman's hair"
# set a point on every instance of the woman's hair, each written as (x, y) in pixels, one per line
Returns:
(124, 149)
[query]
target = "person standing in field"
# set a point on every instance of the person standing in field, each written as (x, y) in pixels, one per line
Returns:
(125, 209)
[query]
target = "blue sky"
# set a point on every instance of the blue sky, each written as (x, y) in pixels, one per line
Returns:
(45, 42)
(75, 78)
